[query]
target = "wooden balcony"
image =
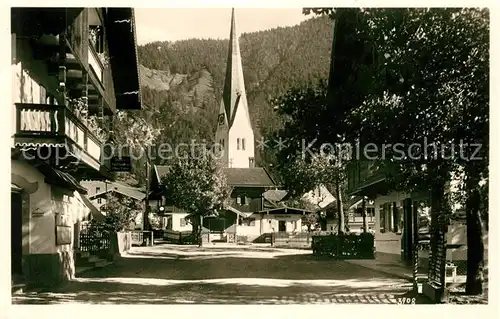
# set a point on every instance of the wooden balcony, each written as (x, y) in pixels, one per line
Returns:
(81, 59)
(56, 126)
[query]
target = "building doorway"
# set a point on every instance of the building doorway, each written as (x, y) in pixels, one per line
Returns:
(281, 225)
(16, 240)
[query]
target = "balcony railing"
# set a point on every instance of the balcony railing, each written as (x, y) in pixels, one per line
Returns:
(56, 123)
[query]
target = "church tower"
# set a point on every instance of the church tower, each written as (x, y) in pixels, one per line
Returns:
(234, 129)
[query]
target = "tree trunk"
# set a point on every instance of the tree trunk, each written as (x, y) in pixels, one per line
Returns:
(196, 226)
(437, 190)
(475, 245)
(340, 208)
(363, 212)
(200, 223)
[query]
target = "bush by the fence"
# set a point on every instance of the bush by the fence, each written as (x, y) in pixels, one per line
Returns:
(345, 246)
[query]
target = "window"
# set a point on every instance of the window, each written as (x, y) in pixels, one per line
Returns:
(97, 190)
(238, 200)
(96, 37)
(243, 144)
(251, 162)
(99, 200)
(183, 222)
(221, 119)
(222, 142)
(238, 143)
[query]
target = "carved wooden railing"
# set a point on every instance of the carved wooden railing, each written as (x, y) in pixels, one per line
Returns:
(42, 120)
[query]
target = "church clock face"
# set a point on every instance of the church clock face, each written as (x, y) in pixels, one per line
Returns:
(221, 119)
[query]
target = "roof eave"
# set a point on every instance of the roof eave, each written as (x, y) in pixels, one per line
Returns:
(122, 45)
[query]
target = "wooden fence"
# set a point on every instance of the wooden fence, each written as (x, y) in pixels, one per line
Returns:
(94, 242)
(177, 236)
(140, 237)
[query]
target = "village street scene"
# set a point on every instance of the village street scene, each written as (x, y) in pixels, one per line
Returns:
(338, 155)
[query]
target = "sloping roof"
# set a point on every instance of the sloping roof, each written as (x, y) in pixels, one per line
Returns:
(233, 94)
(239, 213)
(131, 192)
(255, 176)
(354, 200)
(57, 177)
(249, 177)
(96, 213)
(274, 195)
(122, 47)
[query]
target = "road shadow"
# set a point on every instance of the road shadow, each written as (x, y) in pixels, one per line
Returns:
(90, 291)
(162, 277)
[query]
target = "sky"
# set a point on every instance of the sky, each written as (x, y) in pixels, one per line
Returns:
(172, 24)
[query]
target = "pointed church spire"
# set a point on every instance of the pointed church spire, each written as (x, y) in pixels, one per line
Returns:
(234, 85)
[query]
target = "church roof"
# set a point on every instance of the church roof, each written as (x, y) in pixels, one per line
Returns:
(234, 85)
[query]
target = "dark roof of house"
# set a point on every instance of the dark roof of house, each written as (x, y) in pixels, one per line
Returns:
(249, 177)
(122, 47)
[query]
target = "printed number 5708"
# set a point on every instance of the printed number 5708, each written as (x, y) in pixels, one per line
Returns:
(406, 301)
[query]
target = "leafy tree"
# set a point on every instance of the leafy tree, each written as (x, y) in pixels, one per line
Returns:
(155, 220)
(312, 156)
(196, 183)
(311, 220)
(432, 87)
(120, 211)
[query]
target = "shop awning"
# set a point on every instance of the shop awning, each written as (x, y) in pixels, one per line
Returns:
(59, 178)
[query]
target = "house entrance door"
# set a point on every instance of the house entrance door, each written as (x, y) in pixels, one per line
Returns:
(16, 241)
(281, 225)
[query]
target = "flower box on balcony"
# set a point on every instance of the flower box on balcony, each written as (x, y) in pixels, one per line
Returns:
(40, 125)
